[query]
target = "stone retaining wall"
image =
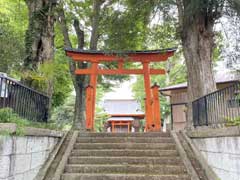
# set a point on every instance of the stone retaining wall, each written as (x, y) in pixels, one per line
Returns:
(22, 157)
(221, 152)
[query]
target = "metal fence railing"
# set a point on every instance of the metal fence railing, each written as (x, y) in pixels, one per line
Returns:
(218, 108)
(24, 101)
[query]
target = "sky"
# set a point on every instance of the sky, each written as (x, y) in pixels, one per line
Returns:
(124, 91)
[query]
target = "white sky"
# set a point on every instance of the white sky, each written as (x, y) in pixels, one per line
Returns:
(124, 91)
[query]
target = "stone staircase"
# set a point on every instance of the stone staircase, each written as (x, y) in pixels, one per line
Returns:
(124, 156)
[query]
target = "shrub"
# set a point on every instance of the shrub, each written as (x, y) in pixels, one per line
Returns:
(7, 115)
(233, 121)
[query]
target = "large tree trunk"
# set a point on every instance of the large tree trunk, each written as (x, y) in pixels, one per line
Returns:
(198, 41)
(197, 48)
(39, 42)
(81, 82)
(95, 23)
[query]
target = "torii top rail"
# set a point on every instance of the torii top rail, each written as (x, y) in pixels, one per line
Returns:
(152, 106)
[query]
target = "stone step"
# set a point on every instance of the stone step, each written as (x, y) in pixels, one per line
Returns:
(126, 169)
(152, 134)
(125, 160)
(124, 139)
(72, 176)
(159, 146)
(125, 152)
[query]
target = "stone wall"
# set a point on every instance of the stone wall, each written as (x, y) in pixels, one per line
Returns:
(222, 153)
(21, 157)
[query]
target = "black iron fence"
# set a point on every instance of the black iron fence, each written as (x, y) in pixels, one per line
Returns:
(218, 108)
(26, 102)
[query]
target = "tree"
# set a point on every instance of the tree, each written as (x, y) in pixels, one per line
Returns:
(230, 25)
(196, 27)
(80, 82)
(127, 27)
(162, 34)
(39, 39)
(97, 16)
(234, 5)
(196, 22)
(13, 24)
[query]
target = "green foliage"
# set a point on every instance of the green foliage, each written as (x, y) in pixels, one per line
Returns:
(233, 121)
(100, 119)
(126, 27)
(139, 93)
(62, 80)
(58, 72)
(235, 5)
(163, 35)
(218, 47)
(212, 9)
(118, 30)
(100, 115)
(63, 115)
(13, 23)
(8, 116)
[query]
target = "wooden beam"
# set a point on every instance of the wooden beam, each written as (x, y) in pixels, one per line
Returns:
(89, 99)
(148, 108)
(128, 115)
(156, 108)
(113, 127)
(93, 83)
(154, 57)
(119, 71)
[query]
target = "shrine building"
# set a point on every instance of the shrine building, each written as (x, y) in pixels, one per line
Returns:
(124, 115)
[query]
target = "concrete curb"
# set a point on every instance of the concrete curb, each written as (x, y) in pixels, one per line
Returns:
(31, 131)
(42, 172)
(9, 127)
(191, 171)
(208, 170)
(61, 165)
(209, 132)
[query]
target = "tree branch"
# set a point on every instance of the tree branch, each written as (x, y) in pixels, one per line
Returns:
(63, 24)
(80, 34)
(95, 23)
(180, 13)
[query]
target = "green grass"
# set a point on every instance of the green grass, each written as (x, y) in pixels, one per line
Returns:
(233, 121)
(8, 116)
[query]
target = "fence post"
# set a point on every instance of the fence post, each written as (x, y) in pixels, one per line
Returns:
(26, 102)
(198, 117)
(171, 117)
(206, 110)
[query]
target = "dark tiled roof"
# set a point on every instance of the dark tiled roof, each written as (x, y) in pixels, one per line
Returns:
(175, 87)
(220, 77)
(121, 52)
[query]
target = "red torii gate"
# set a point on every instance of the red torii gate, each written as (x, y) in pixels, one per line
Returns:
(152, 105)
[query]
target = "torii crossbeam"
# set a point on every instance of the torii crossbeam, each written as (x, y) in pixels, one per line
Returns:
(152, 106)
